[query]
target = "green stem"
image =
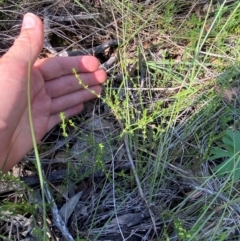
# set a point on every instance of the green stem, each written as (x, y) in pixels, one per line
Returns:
(35, 149)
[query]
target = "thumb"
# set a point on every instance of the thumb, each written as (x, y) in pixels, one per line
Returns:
(30, 41)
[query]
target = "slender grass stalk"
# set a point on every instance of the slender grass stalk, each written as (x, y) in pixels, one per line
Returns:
(38, 164)
(3, 237)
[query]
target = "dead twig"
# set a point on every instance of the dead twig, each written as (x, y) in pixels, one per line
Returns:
(47, 30)
(15, 201)
(109, 63)
(78, 17)
(114, 198)
(53, 177)
(57, 219)
(91, 51)
(133, 167)
(153, 89)
(138, 182)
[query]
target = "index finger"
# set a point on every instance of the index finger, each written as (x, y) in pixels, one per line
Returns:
(52, 68)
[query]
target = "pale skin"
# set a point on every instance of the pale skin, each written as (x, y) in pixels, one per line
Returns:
(54, 89)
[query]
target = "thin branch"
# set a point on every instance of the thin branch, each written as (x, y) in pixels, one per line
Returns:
(109, 63)
(47, 30)
(154, 89)
(57, 219)
(78, 17)
(91, 51)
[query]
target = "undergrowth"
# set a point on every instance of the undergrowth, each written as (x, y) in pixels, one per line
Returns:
(174, 94)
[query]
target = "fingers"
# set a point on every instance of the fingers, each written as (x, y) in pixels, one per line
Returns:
(29, 43)
(56, 67)
(14, 71)
(68, 84)
(68, 101)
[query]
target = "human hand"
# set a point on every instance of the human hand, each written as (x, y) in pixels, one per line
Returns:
(54, 89)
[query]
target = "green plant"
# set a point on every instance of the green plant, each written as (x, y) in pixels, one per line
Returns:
(161, 94)
(183, 234)
(229, 151)
(63, 124)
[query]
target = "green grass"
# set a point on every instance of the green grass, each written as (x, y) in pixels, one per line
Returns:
(176, 62)
(182, 127)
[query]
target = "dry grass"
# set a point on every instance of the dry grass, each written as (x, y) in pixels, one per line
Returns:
(167, 102)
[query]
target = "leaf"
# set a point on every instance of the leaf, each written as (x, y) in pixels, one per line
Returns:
(224, 168)
(69, 206)
(236, 175)
(232, 139)
(230, 166)
(219, 153)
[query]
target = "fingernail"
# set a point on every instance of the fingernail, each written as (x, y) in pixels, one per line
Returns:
(28, 21)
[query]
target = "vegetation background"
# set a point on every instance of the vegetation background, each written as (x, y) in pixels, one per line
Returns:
(157, 156)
